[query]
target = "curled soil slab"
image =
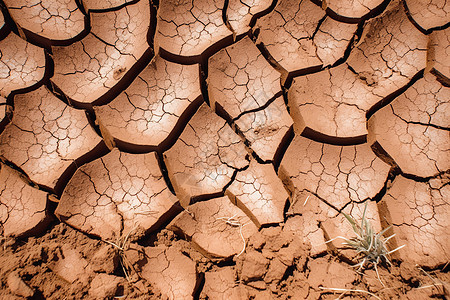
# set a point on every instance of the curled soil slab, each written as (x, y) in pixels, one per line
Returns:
(104, 5)
(390, 52)
(439, 55)
(116, 194)
(337, 108)
(148, 111)
(241, 13)
(205, 156)
(332, 40)
(55, 20)
(259, 193)
(3, 110)
(21, 64)
(170, 271)
(429, 14)
(265, 129)
(418, 212)
(217, 227)
(87, 69)
(301, 37)
(240, 79)
(413, 129)
(2, 21)
(350, 9)
(46, 136)
(22, 207)
(336, 174)
(188, 28)
(425, 103)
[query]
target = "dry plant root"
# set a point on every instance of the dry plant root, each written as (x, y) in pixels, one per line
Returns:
(235, 223)
(122, 245)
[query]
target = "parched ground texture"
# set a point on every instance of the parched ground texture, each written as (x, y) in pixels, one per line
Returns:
(208, 149)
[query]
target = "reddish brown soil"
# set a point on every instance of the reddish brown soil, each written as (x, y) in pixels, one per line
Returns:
(211, 149)
(66, 264)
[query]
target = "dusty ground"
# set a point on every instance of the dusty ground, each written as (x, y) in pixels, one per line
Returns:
(208, 149)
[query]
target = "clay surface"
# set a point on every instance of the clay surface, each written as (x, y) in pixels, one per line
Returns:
(428, 14)
(46, 136)
(188, 27)
(414, 128)
(170, 271)
(438, 55)
(217, 226)
(259, 192)
(387, 57)
(116, 193)
(147, 112)
(336, 174)
(104, 5)
(22, 64)
(419, 214)
(241, 13)
(350, 8)
(195, 149)
(265, 128)
(22, 207)
(55, 20)
(241, 79)
(87, 69)
(336, 109)
(205, 157)
(3, 108)
(300, 36)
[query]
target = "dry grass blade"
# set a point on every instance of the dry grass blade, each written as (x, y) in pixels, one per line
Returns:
(436, 282)
(345, 291)
(121, 246)
(371, 247)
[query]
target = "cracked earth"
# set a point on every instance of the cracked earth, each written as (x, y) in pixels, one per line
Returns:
(193, 149)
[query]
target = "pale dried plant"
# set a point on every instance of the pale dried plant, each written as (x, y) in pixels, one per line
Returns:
(371, 247)
(122, 245)
(232, 221)
(349, 291)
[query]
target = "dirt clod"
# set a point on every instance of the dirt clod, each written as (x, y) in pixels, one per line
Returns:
(18, 286)
(253, 266)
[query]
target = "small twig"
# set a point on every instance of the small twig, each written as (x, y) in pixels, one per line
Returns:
(350, 290)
